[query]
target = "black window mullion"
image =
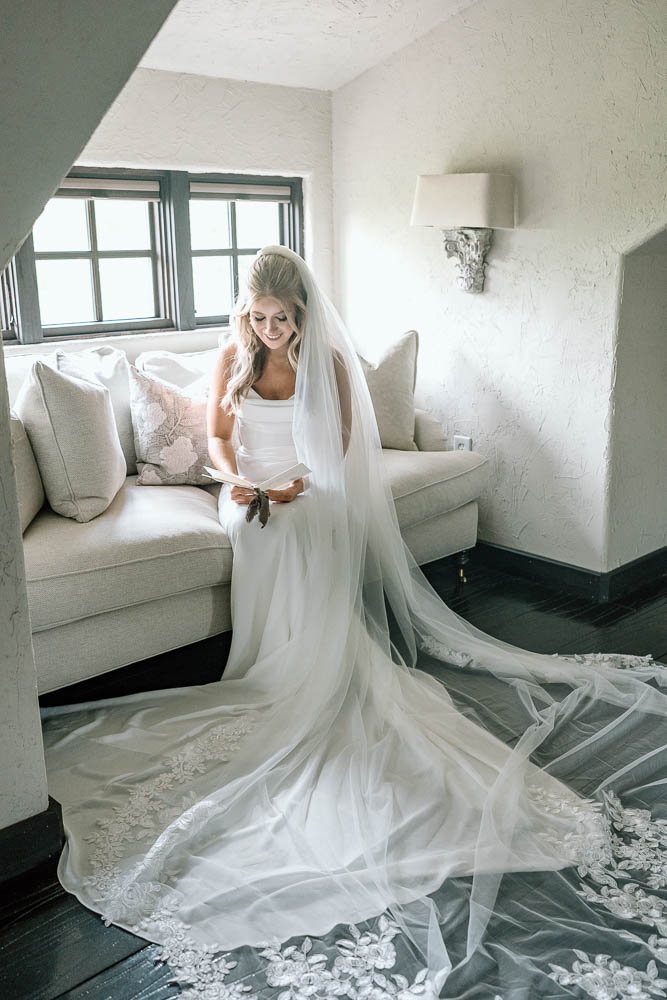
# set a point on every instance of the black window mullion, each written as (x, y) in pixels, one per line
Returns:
(27, 295)
(94, 260)
(158, 297)
(179, 247)
(235, 255)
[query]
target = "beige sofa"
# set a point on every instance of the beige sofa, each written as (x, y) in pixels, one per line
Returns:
(152, 572)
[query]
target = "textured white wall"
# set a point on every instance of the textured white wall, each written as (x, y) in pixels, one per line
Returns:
(638, 467)
(565, 96)
(22, 775)
(179, 121)
(46, 115)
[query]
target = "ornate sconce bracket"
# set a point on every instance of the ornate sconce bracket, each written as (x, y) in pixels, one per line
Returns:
(469, 246)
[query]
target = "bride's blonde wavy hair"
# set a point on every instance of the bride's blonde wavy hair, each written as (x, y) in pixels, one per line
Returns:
(272, 276)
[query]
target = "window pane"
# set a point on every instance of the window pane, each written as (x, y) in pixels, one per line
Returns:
(127, 288)
(213, 285)
(209, 224)
(122, 225)
(65, 291)
(62, 226)
(244, 262)
(257, 224)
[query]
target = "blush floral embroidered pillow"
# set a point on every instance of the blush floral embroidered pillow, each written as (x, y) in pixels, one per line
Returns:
(169, 432)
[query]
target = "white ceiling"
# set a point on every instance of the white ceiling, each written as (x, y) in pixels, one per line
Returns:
(319, 44)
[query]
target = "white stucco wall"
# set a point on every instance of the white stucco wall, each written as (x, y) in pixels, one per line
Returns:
(22, 775)
(565, 96)
(178, 121)
(637, 521)
(61, 65)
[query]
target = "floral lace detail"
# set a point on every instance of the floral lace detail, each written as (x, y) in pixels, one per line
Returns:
(606, 979)
(298, 971)
(616, 661)
(355, 972)
(638, 843)
(200, 970)
(645, 846)
(442, 652)
(129, 895)
(588, 845)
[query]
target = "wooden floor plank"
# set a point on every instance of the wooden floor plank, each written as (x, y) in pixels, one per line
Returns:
(135, 978)
(56, 946)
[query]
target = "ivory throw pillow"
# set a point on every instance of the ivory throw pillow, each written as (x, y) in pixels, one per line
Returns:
(180, 370)
(71, 428)
(28, 481)
(169, 433)
(391, 383)
(110, 367)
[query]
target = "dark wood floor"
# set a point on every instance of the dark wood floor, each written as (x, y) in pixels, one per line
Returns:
(52, 947)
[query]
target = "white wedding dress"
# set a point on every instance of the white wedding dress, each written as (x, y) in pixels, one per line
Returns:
(320, 782)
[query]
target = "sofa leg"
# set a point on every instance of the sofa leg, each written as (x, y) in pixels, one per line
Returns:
(461, 559)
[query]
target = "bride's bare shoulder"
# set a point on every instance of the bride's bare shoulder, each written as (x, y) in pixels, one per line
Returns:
(224, 363)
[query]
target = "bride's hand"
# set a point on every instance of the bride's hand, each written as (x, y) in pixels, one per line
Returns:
(241, 494)
(287, 494)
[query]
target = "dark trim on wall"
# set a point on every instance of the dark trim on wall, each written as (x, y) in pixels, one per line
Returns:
(601, 587)
(31, 842)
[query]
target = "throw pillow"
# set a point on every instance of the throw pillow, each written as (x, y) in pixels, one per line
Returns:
(28, 482)
(169, 433)
(71, 428)
(180, 370)
(110, 367)
(391, 383)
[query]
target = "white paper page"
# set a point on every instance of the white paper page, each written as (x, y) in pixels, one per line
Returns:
(225, 477)
(283, 478)
(273, 483)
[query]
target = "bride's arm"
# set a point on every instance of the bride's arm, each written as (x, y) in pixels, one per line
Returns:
(219, 422)
(220, 425)
(344, 398)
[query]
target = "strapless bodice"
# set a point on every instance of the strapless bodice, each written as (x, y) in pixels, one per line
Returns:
(262, 437)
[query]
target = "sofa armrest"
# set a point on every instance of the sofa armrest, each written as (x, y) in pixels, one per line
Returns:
(429, 432)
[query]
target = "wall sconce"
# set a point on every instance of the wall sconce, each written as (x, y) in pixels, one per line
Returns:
(468, 207)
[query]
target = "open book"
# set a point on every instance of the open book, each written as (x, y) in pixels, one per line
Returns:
(274, 483)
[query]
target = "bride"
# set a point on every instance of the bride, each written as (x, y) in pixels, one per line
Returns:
(367, 752)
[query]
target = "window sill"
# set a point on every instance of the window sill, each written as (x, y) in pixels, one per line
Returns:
(133, 343)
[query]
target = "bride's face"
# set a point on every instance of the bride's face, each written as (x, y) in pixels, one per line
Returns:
(271, 323)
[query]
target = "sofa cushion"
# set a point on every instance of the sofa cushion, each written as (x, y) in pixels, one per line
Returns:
(425, 483)
(148, 544)
(71, 428)
(170, 435)
(180, 370)
(391, 384)
(17, 369)
(28, 481)
(109, 367)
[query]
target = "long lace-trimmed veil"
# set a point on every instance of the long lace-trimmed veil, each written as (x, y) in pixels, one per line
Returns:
(375, 563)
(591, 724)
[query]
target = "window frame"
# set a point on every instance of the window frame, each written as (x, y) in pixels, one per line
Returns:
(171, 254)
(9, 320)
(255, 188)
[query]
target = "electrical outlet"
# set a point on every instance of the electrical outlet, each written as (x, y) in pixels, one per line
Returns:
(462, 443)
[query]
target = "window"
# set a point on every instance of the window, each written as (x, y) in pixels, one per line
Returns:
(228, 225)
(97, 250)
(8, 316)
(122, 251)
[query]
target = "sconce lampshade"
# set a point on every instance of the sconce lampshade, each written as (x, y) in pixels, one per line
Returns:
(456, 201)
